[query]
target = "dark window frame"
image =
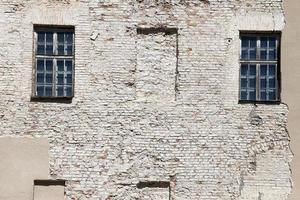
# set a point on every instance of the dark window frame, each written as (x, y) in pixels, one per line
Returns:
(54, 57)
(258, 62)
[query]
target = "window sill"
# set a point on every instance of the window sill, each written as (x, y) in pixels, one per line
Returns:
(52, 99)
(276, 102)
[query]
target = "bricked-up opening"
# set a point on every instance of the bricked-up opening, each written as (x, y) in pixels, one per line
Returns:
(49, 190)
(157, 64)
(154, 190)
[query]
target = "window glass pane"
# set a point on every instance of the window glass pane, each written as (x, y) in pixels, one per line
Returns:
(40, 49)
(272, 95)
(60, 65)
(271, 70)
(252, 70)
(49, 65)
(252, 42)
(263, 54)
(40, 65)
(69, 38)
(264, 42)
(252, 95)
(263, 83)
(49, 78)
(40, 91)
(40, 78)
(48, 91)
(263, 70)
(60, 91)
(69, 91)
(245, 42)
(252, 83)
(60, 79)
(252, 54)
(263, 95)
(61, 49)
(60, 38)
(244, 54)
(69, 79)
(41, 37)
(243, 95)
(272, 83)
(272, 42)
(272, 54)
(69, 65)
(49, 38)
(69, 50)
(243, 83)
(49, 49)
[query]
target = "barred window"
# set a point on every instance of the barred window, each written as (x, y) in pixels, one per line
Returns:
(54, 62)
(259, 67)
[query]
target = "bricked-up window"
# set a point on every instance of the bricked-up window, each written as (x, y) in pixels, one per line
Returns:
(259, 67)
(54, 62)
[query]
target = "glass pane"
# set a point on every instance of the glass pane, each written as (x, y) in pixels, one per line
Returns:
(41, 37)
(60, 79)
(272, 95)
(60, 91)
(252, 83)
(60, 65)
(48, 91)
(69, 79)
(40, 91)
(252, 70)
(253, 54)
(61, 49)
(244, 54)
(69, 91)
(49, 78)
(264, 42)
(243, 95)
(263, 95)
(40, 78)
(263, 70)
(60, 37)
(252, 42)
(69, 38)
(245, 42)
(272, 83)
(263, 83)
(49, 49)
(69, 65)
(272, 54)
(272, 42)
(49, 38)
(40, 49)
(252, 95)
(271, 70)
(263, 54)
(69, 50)
(40, 65)
(243, 83)
(49, 65)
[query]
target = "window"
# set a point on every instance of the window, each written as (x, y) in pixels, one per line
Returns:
(54, 62)
(259, 67)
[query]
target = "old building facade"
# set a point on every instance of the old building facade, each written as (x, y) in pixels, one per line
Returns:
(115, 99)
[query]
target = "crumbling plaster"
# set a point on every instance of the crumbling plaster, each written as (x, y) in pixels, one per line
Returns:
(107, 139)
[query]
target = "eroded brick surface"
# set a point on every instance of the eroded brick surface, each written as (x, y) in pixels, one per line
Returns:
(108, 139)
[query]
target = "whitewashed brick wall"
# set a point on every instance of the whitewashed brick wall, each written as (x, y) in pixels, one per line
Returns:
(111, 137)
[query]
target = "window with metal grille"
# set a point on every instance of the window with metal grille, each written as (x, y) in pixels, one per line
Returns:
(54, 62)
(259, 67)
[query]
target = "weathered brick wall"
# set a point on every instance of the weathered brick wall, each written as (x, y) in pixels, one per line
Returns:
(191, 132)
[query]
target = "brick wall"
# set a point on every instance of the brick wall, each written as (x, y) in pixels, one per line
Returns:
(190, 131)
